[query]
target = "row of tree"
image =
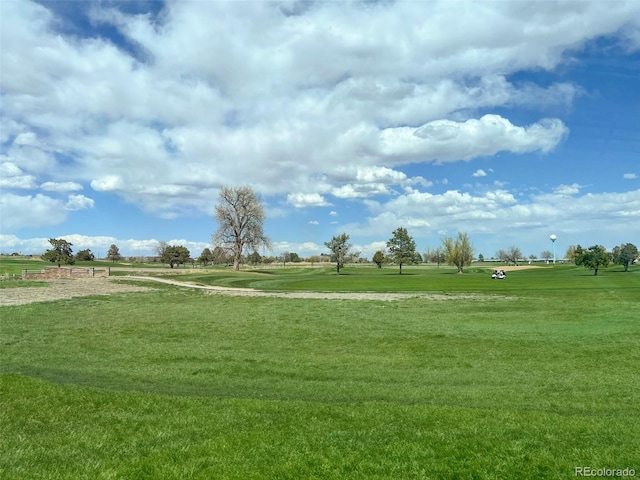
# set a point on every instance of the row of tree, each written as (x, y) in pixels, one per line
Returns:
(221, 256)
(173, 255)
(62, 253)
(597, 256)
(240, 216)
(401, 250)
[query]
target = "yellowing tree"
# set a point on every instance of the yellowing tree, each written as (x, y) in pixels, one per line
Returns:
(379, 258)
(458, 251)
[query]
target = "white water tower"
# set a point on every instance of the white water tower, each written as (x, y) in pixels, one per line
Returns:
(553, 239)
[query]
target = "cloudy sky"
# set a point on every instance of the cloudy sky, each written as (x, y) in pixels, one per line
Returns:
(510, 121)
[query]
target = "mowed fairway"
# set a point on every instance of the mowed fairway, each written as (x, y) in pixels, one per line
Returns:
(525, 378)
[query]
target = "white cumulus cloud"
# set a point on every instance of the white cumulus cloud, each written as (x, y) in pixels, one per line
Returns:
(204, 113)
(281, 101)
(28, 211)
(106, 183)
(301, 200)
(61, 186)
(360, 191)
(567, 189)
(78, 202)
(447, 140)
(12, 177)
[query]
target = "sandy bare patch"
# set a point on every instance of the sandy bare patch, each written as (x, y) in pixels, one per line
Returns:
(511, 268)
(66, 288)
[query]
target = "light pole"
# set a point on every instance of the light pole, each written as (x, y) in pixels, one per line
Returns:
(553, 239)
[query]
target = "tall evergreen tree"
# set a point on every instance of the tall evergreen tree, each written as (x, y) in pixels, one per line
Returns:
(402, 247)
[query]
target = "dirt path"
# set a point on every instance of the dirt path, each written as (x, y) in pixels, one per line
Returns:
(70, 288)
(250, 292)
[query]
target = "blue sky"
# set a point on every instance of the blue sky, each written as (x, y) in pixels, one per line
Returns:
(509, 121)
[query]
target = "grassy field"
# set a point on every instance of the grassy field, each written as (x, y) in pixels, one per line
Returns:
(528, 377)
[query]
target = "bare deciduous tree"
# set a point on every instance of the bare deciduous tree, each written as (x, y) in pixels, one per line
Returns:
(511, 255)
(546, 255)
(240, 217)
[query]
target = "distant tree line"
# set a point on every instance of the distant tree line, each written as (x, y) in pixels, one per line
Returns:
(240, 216)
(597, 256)
(401, 251)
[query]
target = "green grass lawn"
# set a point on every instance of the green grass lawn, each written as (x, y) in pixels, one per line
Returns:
(558, 280)
(529, 378)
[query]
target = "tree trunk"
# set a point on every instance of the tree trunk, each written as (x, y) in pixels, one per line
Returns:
(237, 255)
(400, 269)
